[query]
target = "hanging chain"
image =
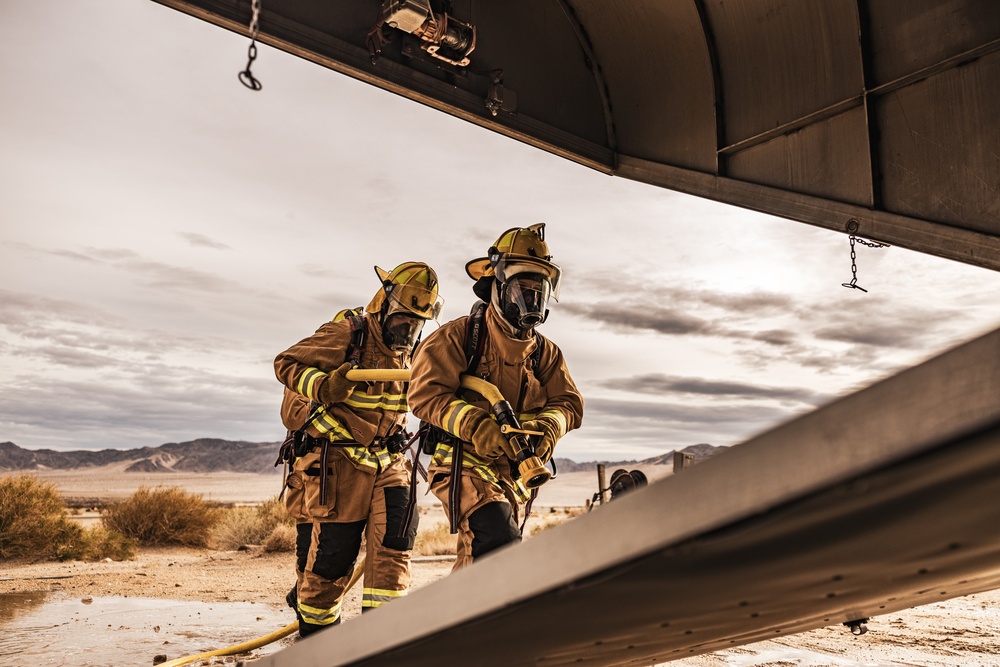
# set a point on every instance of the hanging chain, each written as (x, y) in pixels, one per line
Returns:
(246, 76)
(854, 265)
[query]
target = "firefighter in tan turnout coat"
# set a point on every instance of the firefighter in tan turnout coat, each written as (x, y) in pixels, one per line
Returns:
(348, 478)
(485, 501)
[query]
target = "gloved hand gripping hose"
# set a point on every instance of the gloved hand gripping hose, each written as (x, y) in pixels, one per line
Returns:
(533, 471)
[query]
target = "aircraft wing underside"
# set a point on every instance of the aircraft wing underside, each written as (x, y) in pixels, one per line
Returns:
(872, 117)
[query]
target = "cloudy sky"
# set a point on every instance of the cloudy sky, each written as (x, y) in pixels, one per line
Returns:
(166, 232)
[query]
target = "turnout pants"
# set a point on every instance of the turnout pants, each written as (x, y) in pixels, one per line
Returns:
(361, 503)
(489, 515)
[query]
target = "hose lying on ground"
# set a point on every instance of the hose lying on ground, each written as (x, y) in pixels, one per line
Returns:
(359, 569)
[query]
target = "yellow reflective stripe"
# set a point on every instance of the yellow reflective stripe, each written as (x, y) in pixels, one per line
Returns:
(324, 422)
(319, 616)
(376, 597)
(443, 454)
(558, 416)
(307, 382)
(380, 459)
(386, 402)
(453, 416)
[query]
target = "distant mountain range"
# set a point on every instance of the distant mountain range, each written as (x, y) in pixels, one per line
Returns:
(216, 455)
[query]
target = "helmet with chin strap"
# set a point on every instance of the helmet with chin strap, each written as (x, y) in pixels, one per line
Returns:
(408, 297)
(526, 277)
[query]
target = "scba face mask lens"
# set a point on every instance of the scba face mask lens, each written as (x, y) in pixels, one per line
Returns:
(526, 297)
(401, 331)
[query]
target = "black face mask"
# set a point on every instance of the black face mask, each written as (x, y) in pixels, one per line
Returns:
(524, 298)
(400, 332)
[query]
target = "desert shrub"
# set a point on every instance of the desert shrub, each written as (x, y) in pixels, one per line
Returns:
(96, 543)
(281, 539)
(435, 540)
(33, 520)
(164, 515)
(241, 526)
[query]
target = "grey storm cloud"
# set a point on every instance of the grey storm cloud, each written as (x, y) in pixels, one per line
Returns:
(660, 320)
(202, 241)
(598, 408)
(658, 383)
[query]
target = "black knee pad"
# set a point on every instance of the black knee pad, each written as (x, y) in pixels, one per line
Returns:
(338, 548)
(492, 527)
(303, 538)
(397, 536)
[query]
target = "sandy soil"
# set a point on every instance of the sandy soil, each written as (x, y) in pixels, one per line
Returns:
(962, 632)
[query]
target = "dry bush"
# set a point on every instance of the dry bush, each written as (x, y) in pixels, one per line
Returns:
(281, 539)
(33, 519)
(97, 543)
(33, 524)
(242, 526)
(164, 515)
(435, 541)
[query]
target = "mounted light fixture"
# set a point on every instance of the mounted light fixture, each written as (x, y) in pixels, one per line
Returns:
(442, 36)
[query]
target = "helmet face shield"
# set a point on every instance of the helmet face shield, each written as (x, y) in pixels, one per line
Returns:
(525, 299)
(506, 267)
(415, 300)
(401, 330)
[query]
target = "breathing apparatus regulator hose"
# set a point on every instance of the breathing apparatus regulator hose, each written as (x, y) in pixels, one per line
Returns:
(533, 471)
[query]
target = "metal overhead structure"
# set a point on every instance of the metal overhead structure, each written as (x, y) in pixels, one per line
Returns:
(876, 118)
(871, 117)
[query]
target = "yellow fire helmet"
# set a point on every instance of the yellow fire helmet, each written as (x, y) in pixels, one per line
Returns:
(518, 250)
(411, 288)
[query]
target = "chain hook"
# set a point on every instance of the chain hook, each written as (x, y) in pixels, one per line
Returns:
(852, 226)
(246, 77)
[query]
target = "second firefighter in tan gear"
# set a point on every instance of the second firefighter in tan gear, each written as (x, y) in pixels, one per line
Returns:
(516, 279)
(348, 479)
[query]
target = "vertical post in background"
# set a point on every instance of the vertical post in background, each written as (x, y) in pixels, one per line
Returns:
(601, 486)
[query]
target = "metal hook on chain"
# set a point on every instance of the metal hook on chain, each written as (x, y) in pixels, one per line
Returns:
(853, 226)
(246, 76)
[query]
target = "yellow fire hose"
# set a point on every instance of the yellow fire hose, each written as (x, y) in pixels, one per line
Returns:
(359, 569)
(378, 375)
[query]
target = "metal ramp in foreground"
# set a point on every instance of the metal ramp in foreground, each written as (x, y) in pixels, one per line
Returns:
(880, 501)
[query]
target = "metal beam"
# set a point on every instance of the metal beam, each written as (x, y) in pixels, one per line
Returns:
(880, 501)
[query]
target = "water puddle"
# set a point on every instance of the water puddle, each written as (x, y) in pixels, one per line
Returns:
(42, 628)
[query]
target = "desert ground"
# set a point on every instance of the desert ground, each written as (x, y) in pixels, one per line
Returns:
(961, 632)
